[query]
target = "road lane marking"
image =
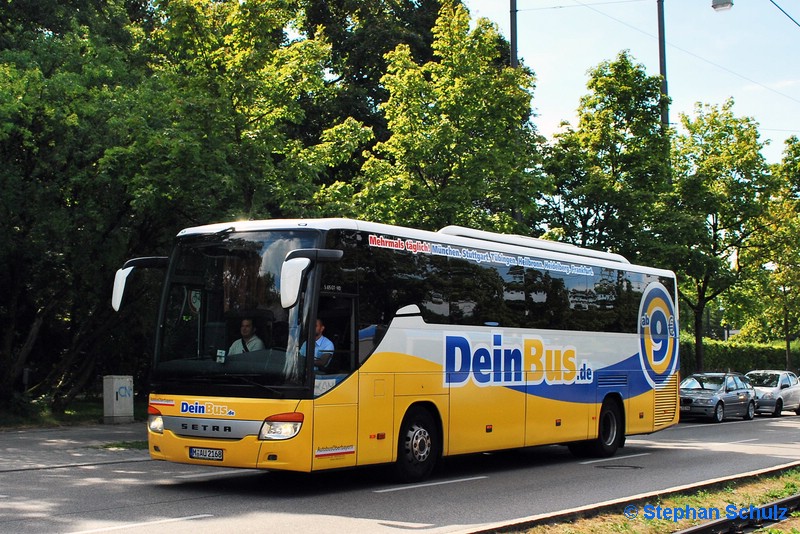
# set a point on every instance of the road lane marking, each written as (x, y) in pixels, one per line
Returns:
(744, 440)
(615, 458)
(415, 486)
(143, 524)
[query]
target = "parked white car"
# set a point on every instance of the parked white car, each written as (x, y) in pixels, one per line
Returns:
(776, 391)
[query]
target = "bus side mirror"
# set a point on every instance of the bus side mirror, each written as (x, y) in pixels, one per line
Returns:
(294, 268)
(122, 275)
(292, 272)
(119, 287)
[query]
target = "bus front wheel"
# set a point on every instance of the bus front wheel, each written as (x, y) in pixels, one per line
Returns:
(418, 446)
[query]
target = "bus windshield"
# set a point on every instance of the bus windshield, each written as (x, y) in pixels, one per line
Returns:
(222, 323)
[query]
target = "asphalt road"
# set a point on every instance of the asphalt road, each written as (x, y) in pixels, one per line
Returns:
(63, 481)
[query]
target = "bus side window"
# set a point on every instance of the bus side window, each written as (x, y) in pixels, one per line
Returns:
(368, 338)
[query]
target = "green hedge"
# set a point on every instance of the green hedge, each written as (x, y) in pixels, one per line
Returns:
(735, 356)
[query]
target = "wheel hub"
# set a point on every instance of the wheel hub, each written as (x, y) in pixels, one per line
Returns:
(420, 444)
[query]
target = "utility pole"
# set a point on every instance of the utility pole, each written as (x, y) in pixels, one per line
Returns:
(662, 59)
(514, 61)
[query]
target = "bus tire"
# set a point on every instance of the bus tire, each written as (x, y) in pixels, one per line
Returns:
(610, 431)
(417, 446)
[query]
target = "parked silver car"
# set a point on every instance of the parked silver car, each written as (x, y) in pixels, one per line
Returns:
(717, 396)
(776, 391)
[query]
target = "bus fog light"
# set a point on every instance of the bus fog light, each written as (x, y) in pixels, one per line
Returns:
(282, 426)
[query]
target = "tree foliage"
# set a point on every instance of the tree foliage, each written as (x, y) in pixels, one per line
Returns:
(767, 303)
(722, 186)
(62, 69)
(462, 149)
(608, 174)
(122, 121)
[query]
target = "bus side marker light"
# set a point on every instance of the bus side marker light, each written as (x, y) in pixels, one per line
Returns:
(558, 422)
(488, 429)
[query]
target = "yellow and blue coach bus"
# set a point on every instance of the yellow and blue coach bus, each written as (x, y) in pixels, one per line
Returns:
(450, 342)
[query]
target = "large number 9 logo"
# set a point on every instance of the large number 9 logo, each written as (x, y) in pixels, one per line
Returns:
(658, 334)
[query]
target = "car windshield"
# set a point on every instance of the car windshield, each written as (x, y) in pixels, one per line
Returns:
(763, 380)
(710, 383)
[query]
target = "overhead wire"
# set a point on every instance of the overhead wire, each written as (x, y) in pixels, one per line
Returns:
(763, 86)
(784, 12)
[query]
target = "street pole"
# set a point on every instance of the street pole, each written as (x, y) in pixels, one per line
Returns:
(662, 57)
(514, 61)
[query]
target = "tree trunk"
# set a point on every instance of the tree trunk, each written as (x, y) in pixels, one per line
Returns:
(698, 340)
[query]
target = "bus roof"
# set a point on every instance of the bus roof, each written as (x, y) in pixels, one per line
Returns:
(532, 242)
(448, 234)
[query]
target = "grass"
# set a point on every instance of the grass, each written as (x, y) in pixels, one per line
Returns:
(37, 413)
(740, 493)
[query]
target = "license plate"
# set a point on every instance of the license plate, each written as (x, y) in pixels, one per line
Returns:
(205, 454)
(685, 408)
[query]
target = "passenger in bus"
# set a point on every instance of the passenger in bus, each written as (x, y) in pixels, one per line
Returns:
(249, 340)
(323, 348)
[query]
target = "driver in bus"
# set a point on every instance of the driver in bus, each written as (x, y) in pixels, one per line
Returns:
(249, 340)
(323, 347)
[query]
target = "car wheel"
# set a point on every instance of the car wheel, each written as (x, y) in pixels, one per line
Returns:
(778, 408)
(719, 413)
(751, 411)
(418, 446)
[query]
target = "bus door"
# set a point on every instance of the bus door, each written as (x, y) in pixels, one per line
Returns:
(335, 386)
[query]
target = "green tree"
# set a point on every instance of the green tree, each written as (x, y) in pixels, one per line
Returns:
(121, 121)
(361, 33)
(62, 67)
(462, 148)
(722, 188)
(228, 96)
(609, 173)
(768, 305)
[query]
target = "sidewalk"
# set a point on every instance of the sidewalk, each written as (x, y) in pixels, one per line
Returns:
(42, 448)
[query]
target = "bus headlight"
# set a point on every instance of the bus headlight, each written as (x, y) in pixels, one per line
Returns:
(281, 426)
(154, 421)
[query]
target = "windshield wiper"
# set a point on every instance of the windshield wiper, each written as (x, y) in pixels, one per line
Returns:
(245, 378)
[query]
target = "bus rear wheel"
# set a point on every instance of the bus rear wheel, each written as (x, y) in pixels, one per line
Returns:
(418, 446)
(610, 431)
(610, 434)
